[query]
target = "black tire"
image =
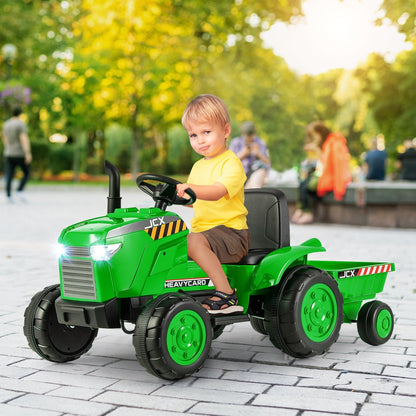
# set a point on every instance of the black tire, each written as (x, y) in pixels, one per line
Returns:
(258, 325)
(304, 313)
(375, 322)
(173, 336)
(47, 337)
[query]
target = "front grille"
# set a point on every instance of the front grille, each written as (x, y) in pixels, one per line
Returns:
(73, 251)
(78, 278)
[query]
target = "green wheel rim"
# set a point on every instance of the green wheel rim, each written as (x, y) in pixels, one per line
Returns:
(384, 323)
(186, 336)
(319, 312)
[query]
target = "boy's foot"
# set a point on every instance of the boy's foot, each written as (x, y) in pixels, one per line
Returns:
(222, 303)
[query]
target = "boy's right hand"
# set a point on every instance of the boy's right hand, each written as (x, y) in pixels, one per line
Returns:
(180, 190)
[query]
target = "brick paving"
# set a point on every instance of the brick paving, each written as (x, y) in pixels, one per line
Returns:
(244, 375)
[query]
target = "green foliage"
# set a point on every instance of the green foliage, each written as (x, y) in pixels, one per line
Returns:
(40, 156)
(55, 158)
(42, 33)
(61, 157)
(118, 139)
(123, 73)
(390, 91)
(128, 68)
(403, 14)
(180, 154)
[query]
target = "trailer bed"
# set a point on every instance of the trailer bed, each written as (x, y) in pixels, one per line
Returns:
(357, 281)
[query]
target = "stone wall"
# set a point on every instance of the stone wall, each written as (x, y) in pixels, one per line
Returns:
(377, 204)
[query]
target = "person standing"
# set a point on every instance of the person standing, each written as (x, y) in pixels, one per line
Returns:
(17, 152)
(253, 153)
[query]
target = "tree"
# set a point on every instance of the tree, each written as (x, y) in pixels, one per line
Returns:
(142, 62)
(390, 86)
(402, 13)
(41, 31)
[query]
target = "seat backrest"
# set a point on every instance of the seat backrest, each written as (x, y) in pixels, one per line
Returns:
(267, 219)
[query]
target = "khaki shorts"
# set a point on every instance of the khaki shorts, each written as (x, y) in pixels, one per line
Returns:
(229, 245)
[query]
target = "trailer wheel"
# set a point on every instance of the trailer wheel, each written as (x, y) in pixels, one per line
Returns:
(47, 337)
(305, 313)
(375, 322)
(173, 336)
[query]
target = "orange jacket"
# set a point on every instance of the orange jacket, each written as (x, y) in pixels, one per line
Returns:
(335, 166)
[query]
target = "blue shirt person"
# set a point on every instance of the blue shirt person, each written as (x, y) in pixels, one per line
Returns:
(375, 162)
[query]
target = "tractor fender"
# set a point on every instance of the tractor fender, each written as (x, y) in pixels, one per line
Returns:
(273, 266)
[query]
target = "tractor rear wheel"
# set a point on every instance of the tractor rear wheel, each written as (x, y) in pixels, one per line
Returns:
(47, 337)
(375, 322)
(304, 314)
(173, 336)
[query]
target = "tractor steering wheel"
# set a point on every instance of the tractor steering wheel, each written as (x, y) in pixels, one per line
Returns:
(164, 193)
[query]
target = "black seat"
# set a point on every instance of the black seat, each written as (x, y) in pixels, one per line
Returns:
(268, 223)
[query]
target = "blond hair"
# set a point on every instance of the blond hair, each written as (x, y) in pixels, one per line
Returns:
(206, 107)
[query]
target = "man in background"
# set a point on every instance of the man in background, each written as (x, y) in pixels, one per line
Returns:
(253, 153)
(17, 152)
(375, 161)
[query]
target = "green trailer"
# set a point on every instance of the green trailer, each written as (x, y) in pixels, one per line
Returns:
(131, 266)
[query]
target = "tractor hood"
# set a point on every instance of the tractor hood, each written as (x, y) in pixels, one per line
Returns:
(122, 221)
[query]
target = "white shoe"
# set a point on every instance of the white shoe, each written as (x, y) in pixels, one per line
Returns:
(21, 196)
(306, 218)
(298, 213)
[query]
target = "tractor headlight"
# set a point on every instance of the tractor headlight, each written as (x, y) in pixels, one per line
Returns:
(60, 250)
(104, 252)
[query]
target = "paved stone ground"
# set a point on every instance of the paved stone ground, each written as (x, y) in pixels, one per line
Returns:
(244, 375)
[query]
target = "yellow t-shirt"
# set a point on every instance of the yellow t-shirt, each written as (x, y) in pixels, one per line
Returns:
(228, 210)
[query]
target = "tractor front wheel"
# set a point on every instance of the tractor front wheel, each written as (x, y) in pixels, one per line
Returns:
(47, 337)
(173, 336)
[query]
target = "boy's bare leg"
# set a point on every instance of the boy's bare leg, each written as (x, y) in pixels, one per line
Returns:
(200, 251)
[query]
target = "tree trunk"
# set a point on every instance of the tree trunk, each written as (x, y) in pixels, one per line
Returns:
(135, 165)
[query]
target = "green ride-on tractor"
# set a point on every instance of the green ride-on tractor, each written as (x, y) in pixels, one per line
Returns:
(131, 266)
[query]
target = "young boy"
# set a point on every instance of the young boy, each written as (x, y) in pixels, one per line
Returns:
(219, 231)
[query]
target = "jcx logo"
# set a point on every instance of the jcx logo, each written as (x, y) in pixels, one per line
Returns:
(347, 273)
(159, 229)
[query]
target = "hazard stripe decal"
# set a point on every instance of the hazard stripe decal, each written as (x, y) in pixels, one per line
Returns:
(170, 226)
(165, 230)
(365, 271)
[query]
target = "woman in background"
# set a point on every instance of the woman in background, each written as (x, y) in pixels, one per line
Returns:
(332, 173)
